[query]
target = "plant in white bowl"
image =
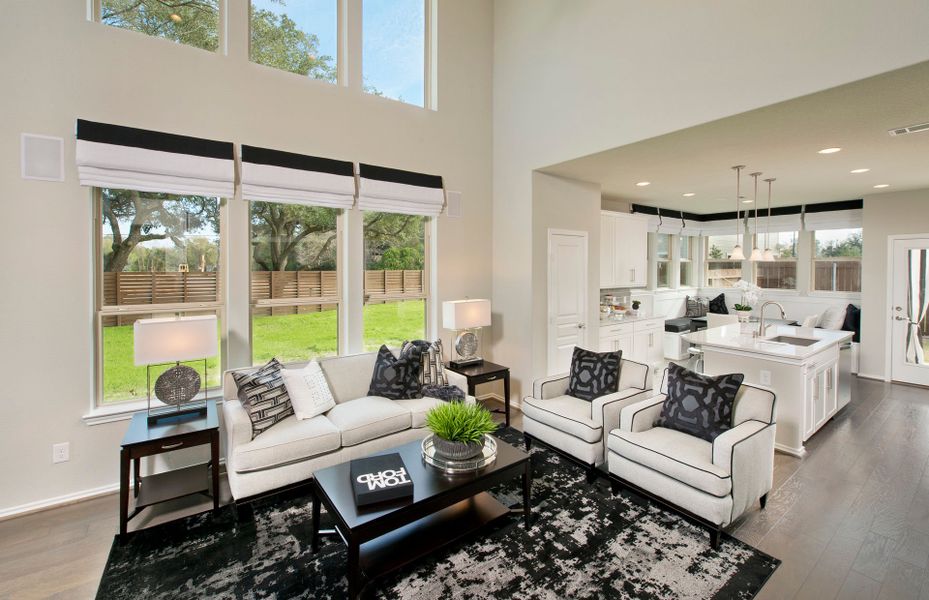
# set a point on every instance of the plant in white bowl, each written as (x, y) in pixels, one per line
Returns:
(750, 295)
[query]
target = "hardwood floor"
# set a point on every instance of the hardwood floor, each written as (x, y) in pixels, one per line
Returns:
(851, 520)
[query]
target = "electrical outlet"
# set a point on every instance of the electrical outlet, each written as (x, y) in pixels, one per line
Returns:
(61, 452)
(765, 378)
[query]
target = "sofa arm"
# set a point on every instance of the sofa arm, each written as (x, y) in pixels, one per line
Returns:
(456, 379)
(747, 453)
(238, 426)
(642, 415)
(633, 375)
(605, 410)
(550, 387)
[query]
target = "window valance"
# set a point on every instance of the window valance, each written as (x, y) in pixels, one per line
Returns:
(833, 219)
(278, 176)
(392, 190)
(151, 161)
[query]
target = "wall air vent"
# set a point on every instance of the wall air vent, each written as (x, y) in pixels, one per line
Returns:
(909, 129)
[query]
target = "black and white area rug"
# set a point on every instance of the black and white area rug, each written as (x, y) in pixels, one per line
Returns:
(583, 543)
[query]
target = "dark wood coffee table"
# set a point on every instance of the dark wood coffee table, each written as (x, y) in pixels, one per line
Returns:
(444, 508)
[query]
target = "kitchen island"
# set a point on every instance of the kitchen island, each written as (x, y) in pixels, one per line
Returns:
(800, 364)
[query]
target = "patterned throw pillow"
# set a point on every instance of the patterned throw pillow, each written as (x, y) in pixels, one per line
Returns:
(593, 374)
(697, 404)
(264, 396)
(433, 371)
(696, 307)
(449, 393)
(308, 390)
(397, 378)
(718, 305)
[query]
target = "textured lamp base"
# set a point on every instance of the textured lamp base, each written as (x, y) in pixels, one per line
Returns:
(177, 415)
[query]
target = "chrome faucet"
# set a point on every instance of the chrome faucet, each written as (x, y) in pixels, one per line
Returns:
(761, 327)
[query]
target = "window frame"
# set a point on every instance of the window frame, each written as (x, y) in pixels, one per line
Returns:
(101, 311)
(814, 259)
(756, 239)
(689, 240)
(707, 261)
(338, 299)
(668, 262)
(95, 14)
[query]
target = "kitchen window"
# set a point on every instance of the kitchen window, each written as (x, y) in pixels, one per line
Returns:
(837, 260)
(781, 274)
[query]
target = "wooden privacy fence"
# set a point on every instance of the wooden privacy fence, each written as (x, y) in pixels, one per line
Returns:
(777, 275)
(844, 274)
(151, 288)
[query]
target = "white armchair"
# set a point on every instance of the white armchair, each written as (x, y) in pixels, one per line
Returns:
(712, 482)
(578, 427)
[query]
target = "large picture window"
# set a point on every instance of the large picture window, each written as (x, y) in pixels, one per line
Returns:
(191, 22)
(394, 49)
(395, 282)
(721, 272)
(158, 255)
(295, 292)
(837, 260)
(781, 274)
(299, 36)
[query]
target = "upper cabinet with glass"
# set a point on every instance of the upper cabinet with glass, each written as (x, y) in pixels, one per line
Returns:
(394, 49)
(300, 36)
(191, 22)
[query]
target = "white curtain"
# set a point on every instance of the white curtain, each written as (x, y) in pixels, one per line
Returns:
(114, 156)
(392, 190)
(276, 176)
(917, 304)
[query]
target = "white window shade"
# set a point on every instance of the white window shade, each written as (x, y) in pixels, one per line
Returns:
(777, 223)
(832, 219)
(113, 156)
(395, 191)
(664, 224)
(723, 227)
(276, 176)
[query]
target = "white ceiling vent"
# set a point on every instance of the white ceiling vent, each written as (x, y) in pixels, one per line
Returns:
(909, 129)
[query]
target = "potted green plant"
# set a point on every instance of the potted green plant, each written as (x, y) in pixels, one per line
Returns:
(635, 307)
(459, 429)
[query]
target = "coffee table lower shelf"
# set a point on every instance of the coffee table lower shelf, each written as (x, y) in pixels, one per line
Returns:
(402, 546)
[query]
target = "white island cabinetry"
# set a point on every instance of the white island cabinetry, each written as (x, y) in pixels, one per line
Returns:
(802, 369)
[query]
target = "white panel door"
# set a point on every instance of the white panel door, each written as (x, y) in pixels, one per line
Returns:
(567, 297)
(909, 313)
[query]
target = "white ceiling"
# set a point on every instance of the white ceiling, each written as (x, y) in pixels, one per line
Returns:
(781, 141)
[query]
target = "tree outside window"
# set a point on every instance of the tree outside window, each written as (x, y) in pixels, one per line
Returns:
(190, 22)
(299, 36)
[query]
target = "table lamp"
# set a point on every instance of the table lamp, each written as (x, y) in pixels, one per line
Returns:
(175, 340)
(465, 318)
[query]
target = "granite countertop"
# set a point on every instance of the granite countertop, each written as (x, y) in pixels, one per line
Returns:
(730, 337)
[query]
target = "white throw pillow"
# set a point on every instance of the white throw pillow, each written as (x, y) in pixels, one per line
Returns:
(308, 390)
(810, 321)
(833, 318)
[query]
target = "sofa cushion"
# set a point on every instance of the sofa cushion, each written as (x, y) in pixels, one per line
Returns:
(395, 377)
(678, 325)
(264, 396)
(290, 440)
(593, 374)
(697, 404)
(368, 418)
(686, 458)
(695, 307)
(308, 390)
(565, 413)
(418, 408)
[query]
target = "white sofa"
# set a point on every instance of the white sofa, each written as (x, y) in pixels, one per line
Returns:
(713, 481)
(578, 427)
(291, 450)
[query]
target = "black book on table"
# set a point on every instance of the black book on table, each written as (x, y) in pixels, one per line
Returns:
(379, 479)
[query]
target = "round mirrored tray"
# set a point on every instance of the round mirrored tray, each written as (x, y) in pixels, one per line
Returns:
(487, 456)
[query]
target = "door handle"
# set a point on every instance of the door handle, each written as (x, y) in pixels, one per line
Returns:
(899, 318)
(581, 325)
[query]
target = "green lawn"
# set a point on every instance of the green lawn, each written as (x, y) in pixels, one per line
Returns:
(289, 338)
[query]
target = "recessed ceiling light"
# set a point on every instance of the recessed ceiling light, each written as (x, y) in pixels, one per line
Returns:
(689, 195)
(644, 183)
(829, 150)
(859, 170)
(882, 185)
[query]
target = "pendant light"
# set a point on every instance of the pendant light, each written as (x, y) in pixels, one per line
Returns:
(737, 253)
(757, 255)
(768, 254)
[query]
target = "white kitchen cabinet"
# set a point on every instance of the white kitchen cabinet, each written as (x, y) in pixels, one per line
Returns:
(821, 396)
(623, 250)
(640, 339)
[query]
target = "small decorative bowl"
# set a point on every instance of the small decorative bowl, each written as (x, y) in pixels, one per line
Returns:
(456, 450)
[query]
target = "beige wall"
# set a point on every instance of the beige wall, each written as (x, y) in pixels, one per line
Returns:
(57, 66)
(550, 197)
(884, 215)
(573, 78)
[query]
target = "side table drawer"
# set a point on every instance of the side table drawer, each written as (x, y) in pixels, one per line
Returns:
(167, 445)
(479, 379)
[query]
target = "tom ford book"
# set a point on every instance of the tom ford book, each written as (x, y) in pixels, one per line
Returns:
(379, 479)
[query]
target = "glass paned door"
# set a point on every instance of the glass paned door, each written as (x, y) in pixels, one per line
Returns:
(910, 311)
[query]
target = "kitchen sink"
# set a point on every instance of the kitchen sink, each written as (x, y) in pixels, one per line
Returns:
(793, 341)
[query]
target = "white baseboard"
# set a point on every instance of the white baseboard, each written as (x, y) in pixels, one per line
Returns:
(874, 377)
(40, 505)
(499, 398)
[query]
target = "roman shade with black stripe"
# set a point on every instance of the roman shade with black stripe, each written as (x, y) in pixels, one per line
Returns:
(114, 156)
(392, 190)
(278, 176)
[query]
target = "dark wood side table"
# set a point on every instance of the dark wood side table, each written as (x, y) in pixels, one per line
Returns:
(484, 373)
(167, 435)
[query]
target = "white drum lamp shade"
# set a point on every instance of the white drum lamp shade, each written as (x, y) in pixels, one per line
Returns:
(465, 314)
(180, 339)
